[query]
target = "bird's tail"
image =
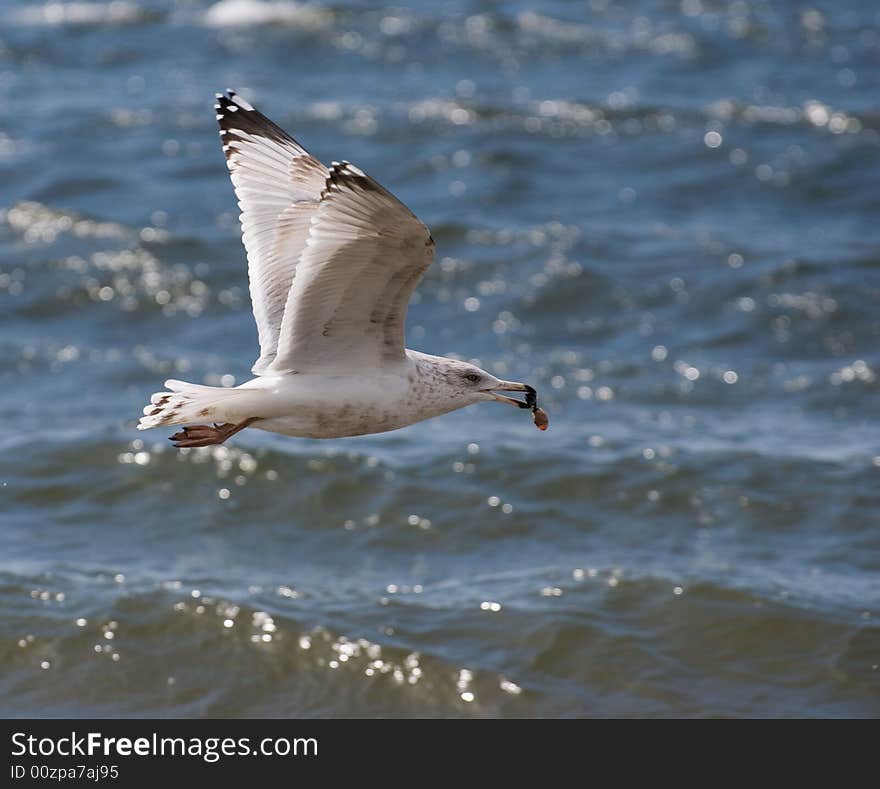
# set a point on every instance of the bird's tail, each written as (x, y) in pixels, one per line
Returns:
(186, 403)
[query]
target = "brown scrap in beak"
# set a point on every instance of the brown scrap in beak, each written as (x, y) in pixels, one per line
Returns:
(540, 418)
(531, 401)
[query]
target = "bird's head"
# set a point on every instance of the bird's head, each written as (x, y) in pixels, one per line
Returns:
(467, 384)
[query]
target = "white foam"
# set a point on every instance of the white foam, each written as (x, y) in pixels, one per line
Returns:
(249, 13)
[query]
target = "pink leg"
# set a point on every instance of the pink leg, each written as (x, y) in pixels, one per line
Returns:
(206, 435)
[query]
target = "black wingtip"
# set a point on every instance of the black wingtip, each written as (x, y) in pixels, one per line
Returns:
(237, 115)
(225, 100)
(342, 173)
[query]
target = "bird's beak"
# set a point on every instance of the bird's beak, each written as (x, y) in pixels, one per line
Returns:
(513, 386)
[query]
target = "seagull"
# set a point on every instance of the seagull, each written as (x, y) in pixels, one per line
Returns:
(333, 259)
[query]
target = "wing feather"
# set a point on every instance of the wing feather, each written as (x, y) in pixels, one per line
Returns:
(333, 257)
(277, 184)
(363, 243)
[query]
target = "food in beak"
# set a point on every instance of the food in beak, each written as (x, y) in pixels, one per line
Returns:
(540, 417)
(538, 414)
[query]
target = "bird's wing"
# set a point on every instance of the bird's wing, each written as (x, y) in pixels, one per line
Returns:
(364, 255)
(333, 258)
(279, 186)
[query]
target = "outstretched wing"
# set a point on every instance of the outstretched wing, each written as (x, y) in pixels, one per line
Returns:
(364, 255)
(278, 185)
(333, 258)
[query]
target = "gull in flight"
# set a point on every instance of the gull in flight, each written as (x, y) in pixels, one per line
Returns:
(333, 259)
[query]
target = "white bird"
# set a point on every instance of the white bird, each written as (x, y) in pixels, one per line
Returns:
(333, 259)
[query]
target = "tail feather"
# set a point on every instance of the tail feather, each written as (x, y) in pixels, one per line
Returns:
(185, 403)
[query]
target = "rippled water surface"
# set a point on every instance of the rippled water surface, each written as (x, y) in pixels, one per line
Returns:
(663, 214)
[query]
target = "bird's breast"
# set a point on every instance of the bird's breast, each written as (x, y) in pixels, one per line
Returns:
(311, 406)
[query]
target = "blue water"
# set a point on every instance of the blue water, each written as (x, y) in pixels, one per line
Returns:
(663, 215)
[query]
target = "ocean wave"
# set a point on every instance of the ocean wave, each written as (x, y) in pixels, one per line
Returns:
(40, 223)
(282, 649)
(305, 669)
(75, 14)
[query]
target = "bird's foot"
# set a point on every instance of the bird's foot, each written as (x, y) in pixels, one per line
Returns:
(207, 435)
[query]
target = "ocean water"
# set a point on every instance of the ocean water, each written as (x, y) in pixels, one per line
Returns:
(663, 215)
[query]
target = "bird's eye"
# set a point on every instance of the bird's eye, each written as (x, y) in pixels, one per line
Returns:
(472, 377)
